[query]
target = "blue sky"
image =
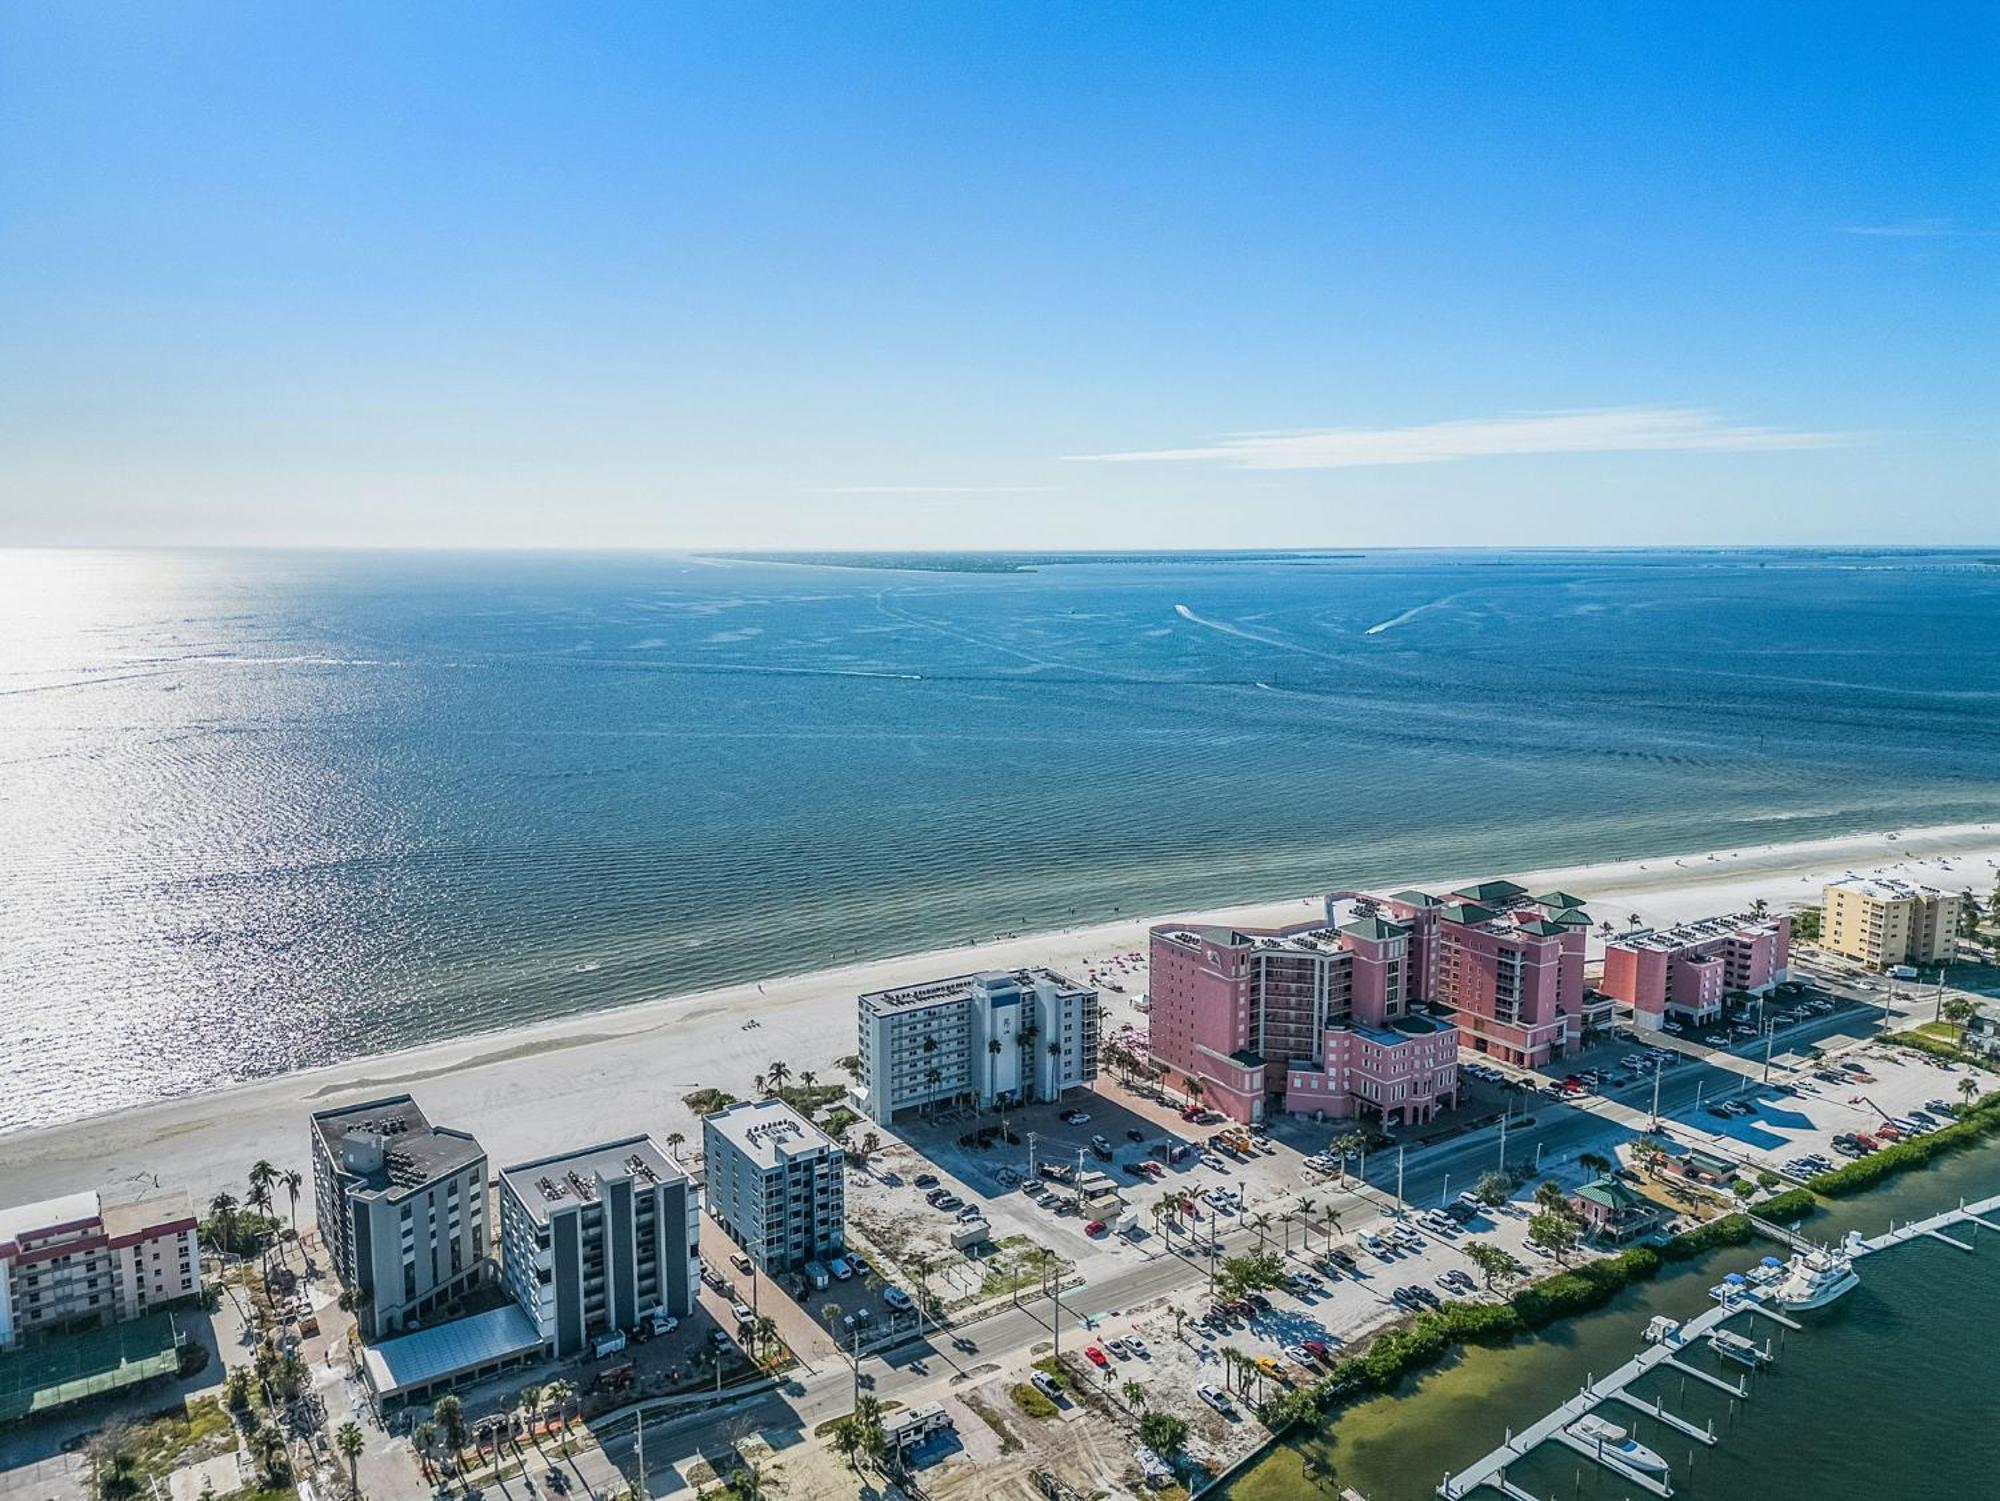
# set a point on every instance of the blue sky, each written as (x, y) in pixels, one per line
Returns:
(1009, 274)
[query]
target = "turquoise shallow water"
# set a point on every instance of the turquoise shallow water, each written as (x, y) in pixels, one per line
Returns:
(1889, 1393)
(261, 810)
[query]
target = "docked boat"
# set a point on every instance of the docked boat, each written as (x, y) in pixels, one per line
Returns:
(1610, 1441)
(1814, 1279)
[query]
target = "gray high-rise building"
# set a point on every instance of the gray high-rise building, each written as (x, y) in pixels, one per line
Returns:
(774, 1183)
(402, 1209)
(595, 1240)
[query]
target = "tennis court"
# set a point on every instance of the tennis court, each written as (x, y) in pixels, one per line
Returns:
(72, 1367)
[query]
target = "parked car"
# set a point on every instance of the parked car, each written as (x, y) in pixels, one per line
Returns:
(841, 1268)
(1215, 1397)
(1095, 1356)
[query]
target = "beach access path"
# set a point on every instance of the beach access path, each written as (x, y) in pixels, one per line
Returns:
(606, 1074)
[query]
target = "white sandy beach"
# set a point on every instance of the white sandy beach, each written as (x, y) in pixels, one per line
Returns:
(586, 1078)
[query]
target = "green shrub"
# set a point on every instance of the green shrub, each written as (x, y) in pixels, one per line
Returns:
(1789, 1207)
(1030, 1401)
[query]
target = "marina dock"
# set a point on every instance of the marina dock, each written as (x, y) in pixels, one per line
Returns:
(1746, 1299)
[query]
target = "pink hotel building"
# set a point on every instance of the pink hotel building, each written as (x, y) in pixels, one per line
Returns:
(1319, 1018)
(1685, 972)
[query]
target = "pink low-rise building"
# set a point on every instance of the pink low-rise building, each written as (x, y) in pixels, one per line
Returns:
(1314, 1018)
(1685, 972)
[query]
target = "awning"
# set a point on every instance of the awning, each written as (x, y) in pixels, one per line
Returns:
(430, 1355)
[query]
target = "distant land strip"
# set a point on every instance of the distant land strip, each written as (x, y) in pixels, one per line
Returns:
(1016, 562)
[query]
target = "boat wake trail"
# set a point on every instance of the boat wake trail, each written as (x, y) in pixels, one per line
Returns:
(1257, 636)
(1408, 615)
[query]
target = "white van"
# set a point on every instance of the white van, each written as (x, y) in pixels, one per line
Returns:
(609, 1344)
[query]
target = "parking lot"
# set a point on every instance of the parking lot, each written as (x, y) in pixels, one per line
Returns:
(1802, 1112)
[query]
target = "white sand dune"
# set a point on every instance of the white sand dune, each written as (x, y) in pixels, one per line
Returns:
(583, 1078)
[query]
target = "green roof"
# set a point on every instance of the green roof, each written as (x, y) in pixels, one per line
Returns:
(1468, 912)
(1559, 899)
(1244, 1058)
(1488, 892)
(1541, 929)
(1415, 898)
(1571, 917)
(1374, 929)
(1611, 1193)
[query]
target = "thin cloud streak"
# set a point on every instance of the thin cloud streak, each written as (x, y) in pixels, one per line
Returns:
(928, 490)
(1608, 430)
(1914, 229)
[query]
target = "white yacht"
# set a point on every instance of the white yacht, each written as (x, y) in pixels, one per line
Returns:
(1611, 1441)
(1814, 1279)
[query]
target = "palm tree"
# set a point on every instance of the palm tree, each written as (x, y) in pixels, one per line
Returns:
(1285, 1219)
(293, 1180)
(262, 1173)
(778, 1073)
(1759, 908)
(1191, 1087)
(260, 1200)
(675, 1141)
(847, 1439)
(449, 1415)
(423, 1438)
(1594, 1162)
(1180, 1320)
(1260, 1222)
(222, 1210)
(1135, 1396)
(1968, 1090)
(1632, 919)
(347, 1439)
(851, 1066)
(1306, 1208)
(757, 1083)
(807, 1078)
(764, 1333)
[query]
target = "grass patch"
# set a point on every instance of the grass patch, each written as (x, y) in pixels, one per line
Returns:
(1049, 1366)
(825, 1430)
(1032, 1402)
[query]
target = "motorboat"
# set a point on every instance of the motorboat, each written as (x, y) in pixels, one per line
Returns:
(1814, 1279)
(1607, 1440)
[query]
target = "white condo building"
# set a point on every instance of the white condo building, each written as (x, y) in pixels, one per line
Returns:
(774, 1184)
(999, 1038)
(595, 1240)
(76, 1262)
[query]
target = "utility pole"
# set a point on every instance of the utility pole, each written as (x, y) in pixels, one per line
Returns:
(1770, 1036)
(1503, 1141)
(1031, 1154)
(1658, 1071)
(1399, 1182)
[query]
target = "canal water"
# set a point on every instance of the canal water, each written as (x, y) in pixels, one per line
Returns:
(1893, 1392)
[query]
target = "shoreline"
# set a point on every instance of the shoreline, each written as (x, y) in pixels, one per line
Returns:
(594, 1075)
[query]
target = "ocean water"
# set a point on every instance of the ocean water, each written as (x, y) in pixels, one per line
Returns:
(266, 810)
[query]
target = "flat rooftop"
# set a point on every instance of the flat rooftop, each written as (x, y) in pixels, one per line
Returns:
(958, 987)
(414, 1152)
(1885, 888)
(1302, 938)
(549, 1185)
(768, 1132)
(149, 1214)
(46, 1214)
(1701, 930)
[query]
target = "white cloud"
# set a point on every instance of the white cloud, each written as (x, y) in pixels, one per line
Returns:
(1912, 229)
(928, 490)
(1608, 430)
